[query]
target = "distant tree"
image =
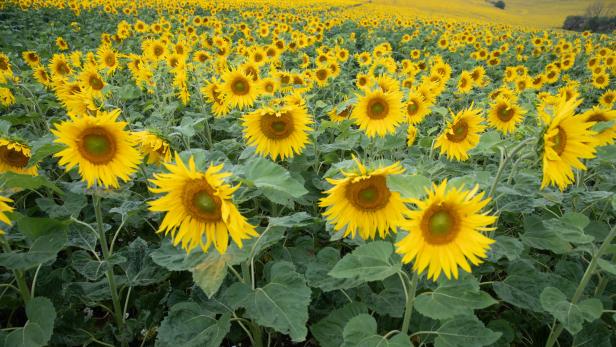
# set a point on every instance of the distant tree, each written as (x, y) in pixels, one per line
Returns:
(599, 9)
(499, 4)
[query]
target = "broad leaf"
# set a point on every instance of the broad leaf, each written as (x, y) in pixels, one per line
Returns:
(328, 331)
(372, 261)
(361, 331)
(572, 316)
(187, 324)
(464, 331)
(39, 327)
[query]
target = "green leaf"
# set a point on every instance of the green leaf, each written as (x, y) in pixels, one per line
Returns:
(408, 186)
(572, 316)
(506, 246)
(210, 273)
(487, 143)
(570, 227)
(317, 272)
(453, 298)
(281, 304)
(140, 269)
(175, 258)
(39, 327)
(10, 180)
(536, 235)
(274, 181)
(372, 261)
(607, 266)
(92, 269)
(43, 249)
(42, 150)
(34, 227)
(187, 324)
(361, 331)
(464, 331)
(328, 331)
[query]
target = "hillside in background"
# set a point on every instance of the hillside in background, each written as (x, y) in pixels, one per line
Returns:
(534, 13)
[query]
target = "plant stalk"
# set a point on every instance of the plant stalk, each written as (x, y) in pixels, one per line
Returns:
(557, 328)
(503, 163)
(20, 277)
(410, 300)
(117, 309)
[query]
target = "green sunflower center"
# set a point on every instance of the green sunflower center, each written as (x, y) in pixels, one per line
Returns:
(96, 144)
(458, 132)
(505, 113)
(440, 223)
(277, 127)
(369, 194)
(377, 108)
(204, 202)
(95, 82)
(412, 107)
(240, 86)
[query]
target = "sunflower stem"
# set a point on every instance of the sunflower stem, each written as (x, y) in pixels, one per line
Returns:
(505, 158)
(410, 300)
(117, 309)
(557, 328)
(20, 277)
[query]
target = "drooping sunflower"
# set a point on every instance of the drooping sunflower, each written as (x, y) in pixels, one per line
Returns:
(4, 209)
(567, 140)
(14, 157)
(32, 58)
(465, 83)
(239, 89)
(599, 116)
(461, 134)
(198, 207)
(92, 81)
(505, 115)
(416, 108)
(411, 135)
(379, 113)
(100, 146)
(220, 107)
(361, 202)
(340, 114)
(41, 75)
(446, 231)
(59, 66)
(153, 146)
(278, 132)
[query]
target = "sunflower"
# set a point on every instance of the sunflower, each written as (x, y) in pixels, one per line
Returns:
(361, 202)
(269, 85)
(567, 140)
(92, 81)
(6, 97)
(278, 133)
(461, 134)
(4, 208)
(416, 108)
(378, 113)
(211, 91)
(198, 205)
(599, 116)
(446, 231)
(239, 89)
(62, 45)
(153, 146)
(14, 157)
(601, 80)
(608, 98)
(41, 75)
(505, 115)
(59, 66)
(107, 59)
(465, 83)
(339, 114)
(411, 135)
(32, 58)
(100, 146)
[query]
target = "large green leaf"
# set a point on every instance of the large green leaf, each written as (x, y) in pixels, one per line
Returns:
(317, 272)
(453, 298)
(372, 261)
(210, 273)
(39, 327)
(464, 331)
(572, 316)
(536, 235)
(409, 186)
(175, 258)
(43, 249)
(570, 227)
(274, 181)
(140, 269)
(328, 331)
(361, 331)
(10, 180)
(281, 304)
(188, 324)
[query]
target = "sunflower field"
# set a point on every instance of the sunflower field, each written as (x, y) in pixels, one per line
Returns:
(302, 173)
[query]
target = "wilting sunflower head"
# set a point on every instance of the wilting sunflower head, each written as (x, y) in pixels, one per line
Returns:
(411, 135)
(600, 116)
(505, 115)
(4, 209)
(279, 132)
(213, 94)
(239, 89)
(14, 157)
(567, 139)
(461, 134)
(378, 113)
(361, 202)
(446, 231)
(59, 66)
(153, 146)
(198, 207)
(100, 146)
(340, 113)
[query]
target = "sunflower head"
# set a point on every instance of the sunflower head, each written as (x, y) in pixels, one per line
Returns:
(461, 134)
(198, 207)
(240, 89)
(279, 132)
(14, 157)
(379, 113)
(153, 146)
(361, 202)
(100, 146)
(446, 231)
(4, 209)
(505, 115)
